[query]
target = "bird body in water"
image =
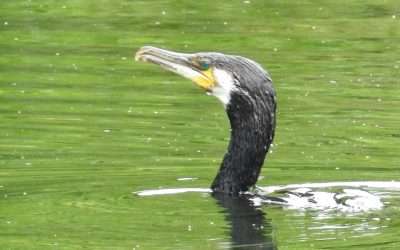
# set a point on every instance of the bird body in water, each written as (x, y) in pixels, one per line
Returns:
(247, 93)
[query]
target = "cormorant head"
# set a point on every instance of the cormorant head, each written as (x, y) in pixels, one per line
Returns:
(216, 73)
(246, 91)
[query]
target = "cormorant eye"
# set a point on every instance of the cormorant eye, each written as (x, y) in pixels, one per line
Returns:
(204, 65)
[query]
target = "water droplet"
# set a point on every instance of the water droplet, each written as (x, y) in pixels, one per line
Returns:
(163, 12)
(5, 23)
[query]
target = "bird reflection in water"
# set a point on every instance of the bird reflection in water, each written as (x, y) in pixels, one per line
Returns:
(249, 228)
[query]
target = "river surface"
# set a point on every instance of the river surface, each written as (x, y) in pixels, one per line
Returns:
(84, 128)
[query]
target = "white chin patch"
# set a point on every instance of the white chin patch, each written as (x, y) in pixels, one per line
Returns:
(225, 85)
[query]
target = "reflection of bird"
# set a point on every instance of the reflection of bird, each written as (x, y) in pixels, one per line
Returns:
(249, 226)
(247, 93)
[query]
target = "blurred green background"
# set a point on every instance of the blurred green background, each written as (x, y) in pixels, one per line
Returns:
(82, 125)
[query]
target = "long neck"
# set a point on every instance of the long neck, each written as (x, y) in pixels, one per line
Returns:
(252, 131)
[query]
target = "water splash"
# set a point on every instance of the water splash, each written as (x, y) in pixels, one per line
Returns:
(346, 197)
(153, 192)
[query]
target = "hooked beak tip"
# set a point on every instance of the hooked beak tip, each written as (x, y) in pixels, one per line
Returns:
(139, 55)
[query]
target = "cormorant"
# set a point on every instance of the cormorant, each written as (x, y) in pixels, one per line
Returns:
(247, 93)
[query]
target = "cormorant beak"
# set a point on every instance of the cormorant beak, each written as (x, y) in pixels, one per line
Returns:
(180, 63)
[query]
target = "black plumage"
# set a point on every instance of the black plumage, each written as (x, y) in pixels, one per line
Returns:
(250, 106)
(251, 112)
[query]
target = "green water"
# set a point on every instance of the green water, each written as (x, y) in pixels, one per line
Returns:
(83, 126)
